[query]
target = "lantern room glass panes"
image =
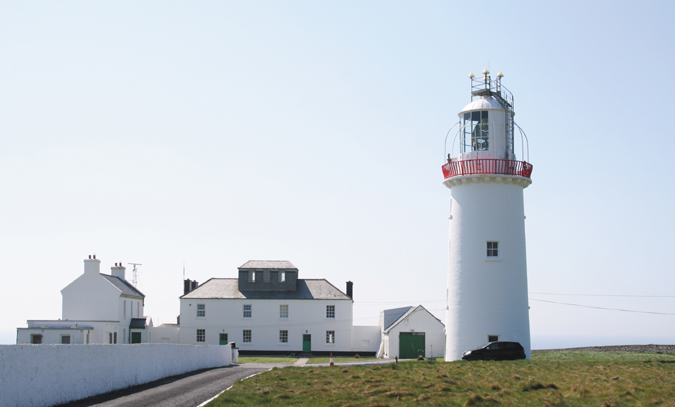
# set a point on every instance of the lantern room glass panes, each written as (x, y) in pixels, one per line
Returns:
(475, 134)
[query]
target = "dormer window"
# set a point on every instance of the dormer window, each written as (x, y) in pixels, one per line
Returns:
(282, 276)
(266, 276)
(251, 276)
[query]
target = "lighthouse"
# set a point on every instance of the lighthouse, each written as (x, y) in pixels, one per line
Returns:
(487, 267)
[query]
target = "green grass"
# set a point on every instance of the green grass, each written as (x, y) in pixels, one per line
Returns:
(550, 379)
(338, 359)
(266, 359)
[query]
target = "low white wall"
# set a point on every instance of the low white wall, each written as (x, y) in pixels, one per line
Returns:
(44, 375)
(366, 338)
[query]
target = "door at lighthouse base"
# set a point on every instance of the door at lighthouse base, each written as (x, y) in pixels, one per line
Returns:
(410, 345)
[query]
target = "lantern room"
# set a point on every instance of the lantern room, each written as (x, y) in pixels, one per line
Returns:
(485, 142)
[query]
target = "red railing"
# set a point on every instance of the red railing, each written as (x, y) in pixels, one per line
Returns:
(487, 166)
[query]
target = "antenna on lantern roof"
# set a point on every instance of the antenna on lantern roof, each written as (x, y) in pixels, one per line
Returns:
(500, 74)
(486, 72)
(471, 75)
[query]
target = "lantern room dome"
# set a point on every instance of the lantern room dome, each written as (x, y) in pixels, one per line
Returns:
(482, 103)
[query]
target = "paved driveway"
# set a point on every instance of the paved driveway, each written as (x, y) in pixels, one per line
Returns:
(187, 390)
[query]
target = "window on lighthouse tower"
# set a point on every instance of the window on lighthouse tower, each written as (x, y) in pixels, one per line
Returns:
(492, 249)
(476, 131)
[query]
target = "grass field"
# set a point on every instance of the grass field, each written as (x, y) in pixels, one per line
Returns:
(568, 378)
(338, 359)
(266, 359)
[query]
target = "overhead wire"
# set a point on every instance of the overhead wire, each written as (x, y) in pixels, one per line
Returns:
(605, 308)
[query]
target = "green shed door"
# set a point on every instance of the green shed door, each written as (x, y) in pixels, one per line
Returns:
(223, 339)
(410, 345)
(135, 337)
(306, 343)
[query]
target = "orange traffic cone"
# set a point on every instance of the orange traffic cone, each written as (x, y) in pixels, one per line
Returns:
(331, 359)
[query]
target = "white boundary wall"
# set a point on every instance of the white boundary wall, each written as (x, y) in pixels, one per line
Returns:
(44, 375)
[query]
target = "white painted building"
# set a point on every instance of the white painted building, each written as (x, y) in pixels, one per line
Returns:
(487, 271)
(409, 332)
(96, 308)
(268, 309)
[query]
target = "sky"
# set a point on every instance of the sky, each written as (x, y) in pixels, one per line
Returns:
(195, 136)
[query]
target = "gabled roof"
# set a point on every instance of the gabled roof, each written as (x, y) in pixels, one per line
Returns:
(393, 315)
(123, 286)
(407, 314)
(268, 264)
(228, 288)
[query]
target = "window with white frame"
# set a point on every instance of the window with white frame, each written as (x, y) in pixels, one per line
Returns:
(35, 339)
(283, 311)
(330, 336)
(251, 276)
(330, 311)
(201, 310)
(114, 337)
(266, 276)
(201, 335)
(248, 310)
(247, 336)
(283, 336)
(110, 338)
(282, 276)
(124, 313)
(65, 339)
(492, 249)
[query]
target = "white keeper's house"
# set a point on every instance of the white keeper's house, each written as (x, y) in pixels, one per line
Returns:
(96, 308)
(268, 309)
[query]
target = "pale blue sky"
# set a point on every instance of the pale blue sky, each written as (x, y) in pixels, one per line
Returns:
(213, 133)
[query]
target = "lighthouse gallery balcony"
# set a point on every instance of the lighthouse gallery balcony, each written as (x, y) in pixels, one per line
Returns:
(487, 166)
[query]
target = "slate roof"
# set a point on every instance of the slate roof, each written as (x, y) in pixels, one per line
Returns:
(392, 315)
(138, 323)
(124, 286)
(228, 288)
(268, 264)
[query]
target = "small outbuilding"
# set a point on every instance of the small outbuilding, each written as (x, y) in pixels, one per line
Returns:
(411, 332)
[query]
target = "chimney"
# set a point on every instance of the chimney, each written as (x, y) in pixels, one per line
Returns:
(350, 290)
(92, 266)
(186, 286)
(118, 271)
(194, 285)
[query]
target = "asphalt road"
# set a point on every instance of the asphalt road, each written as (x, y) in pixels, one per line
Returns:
(186, 390)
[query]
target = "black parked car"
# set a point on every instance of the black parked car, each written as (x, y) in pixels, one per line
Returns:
(496, 351)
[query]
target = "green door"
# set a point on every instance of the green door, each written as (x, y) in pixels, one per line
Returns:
(223, 339)
(410, 345)
(135, 337)
(306, 343)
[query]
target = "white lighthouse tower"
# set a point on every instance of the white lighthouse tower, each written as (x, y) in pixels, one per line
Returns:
(487, 270)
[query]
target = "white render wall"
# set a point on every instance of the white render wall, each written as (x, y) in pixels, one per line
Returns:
(91, 297)
(366, 338)
(418, 321)
(304, 316)
(165, 334)
(44, 375)
(486, 296)
(99, 333)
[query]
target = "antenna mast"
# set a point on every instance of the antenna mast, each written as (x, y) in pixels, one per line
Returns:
(134, 281)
